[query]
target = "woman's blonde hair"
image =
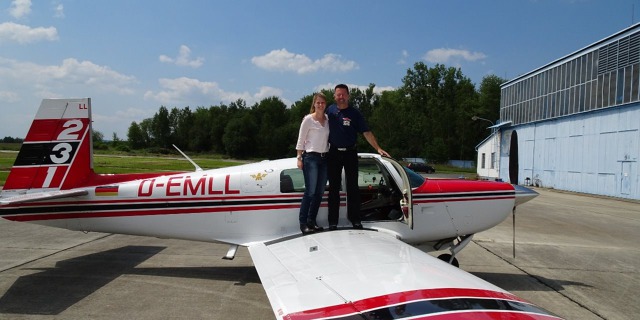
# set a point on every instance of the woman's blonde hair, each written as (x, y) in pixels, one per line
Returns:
(315, 98)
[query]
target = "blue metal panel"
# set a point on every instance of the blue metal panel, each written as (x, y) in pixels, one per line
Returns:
(595, 152)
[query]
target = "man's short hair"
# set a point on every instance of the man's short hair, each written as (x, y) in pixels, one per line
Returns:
(341, 86)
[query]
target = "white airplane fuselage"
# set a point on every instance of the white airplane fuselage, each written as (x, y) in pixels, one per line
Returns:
(245, 204)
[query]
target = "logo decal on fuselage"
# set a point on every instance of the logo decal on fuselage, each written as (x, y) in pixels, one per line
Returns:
(258, 176)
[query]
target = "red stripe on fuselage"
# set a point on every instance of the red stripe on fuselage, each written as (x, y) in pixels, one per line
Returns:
(93, 213)
(144, 212)
(464, 199)
(435, 186)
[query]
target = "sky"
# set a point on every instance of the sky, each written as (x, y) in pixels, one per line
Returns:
(131, 57)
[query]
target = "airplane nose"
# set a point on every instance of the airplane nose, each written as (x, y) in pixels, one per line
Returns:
(523, 194)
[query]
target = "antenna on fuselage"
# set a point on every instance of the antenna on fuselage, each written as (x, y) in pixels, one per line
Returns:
(189, 159)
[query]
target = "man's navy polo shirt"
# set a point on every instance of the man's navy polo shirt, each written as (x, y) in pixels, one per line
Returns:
(344, 126)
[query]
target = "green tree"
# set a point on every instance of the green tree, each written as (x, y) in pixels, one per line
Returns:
(218, 118)
(489, 98)
(161, 128)
(136, 137)
(437, 100)
(272, 116)
(97, 136)
(240, 136)
(146, 126)
(98, 141)
(391, 123)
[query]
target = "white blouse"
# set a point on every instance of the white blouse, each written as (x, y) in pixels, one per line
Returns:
(313, 136)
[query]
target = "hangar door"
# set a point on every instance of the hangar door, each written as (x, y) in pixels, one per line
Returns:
(513, 158)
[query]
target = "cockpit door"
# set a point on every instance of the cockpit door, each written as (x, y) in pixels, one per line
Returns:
(406, 200)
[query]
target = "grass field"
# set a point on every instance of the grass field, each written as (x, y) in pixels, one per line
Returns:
(6, 161)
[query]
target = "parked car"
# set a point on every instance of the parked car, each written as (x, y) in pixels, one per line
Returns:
(418, 165)
(421, 167)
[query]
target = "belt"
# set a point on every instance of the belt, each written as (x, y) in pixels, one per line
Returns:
(351, 148)
(321, 154)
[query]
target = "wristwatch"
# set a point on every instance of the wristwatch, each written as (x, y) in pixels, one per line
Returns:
(299, 157)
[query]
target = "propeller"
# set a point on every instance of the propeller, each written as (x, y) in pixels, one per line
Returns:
(513, 212)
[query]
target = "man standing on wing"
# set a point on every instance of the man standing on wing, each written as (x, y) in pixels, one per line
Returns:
(345, 122)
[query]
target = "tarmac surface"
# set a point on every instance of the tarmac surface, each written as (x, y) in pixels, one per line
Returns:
(577, 257)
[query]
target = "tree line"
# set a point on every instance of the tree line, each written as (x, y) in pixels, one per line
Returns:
(428, 116)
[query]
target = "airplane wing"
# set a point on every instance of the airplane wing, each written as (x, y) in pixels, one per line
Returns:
(364, 274)
(46, 195)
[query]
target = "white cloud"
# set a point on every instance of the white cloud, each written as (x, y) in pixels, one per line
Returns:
(9, 96)
(446, 55)
(183, 58)
(403, 58)
(283, 60)
(266, 92)
(82, 75)
(58, 11)
(20, 8)
(22, 34)
(187, 91)
(121, 118)
(180, 90)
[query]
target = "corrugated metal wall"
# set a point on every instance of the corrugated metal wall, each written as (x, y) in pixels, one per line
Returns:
(596, 152)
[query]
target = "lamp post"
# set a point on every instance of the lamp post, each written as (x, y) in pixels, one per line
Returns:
(474, 118)
(494, 161)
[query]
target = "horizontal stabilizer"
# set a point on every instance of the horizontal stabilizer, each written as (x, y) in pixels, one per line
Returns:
(47, 195)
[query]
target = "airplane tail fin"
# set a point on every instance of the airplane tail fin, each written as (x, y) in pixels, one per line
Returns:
(57, 153)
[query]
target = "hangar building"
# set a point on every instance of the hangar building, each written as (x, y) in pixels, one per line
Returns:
(572, 124)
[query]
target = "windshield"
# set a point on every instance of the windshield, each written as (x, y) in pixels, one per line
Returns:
(415, 179)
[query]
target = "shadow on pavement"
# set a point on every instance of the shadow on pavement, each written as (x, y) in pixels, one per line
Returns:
(525, 282)
(53, 290)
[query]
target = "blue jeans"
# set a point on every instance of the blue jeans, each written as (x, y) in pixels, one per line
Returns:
(314, 169)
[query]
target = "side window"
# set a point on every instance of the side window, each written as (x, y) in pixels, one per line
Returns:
(291, 180)
(369, 174)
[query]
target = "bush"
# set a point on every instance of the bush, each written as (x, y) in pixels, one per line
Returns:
(122, 147)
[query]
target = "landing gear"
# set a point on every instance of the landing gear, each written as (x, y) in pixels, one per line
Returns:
(449, 259)
(454, 245)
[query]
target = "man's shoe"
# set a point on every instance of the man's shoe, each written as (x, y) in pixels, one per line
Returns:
(305, 229)
(357, 226)
(333, 227)
(315, 227)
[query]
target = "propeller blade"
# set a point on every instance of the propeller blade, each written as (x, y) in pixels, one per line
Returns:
(514, 231)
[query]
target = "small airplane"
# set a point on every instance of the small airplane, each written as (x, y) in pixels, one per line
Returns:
(371, 273)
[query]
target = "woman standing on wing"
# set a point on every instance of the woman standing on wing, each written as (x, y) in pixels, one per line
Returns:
(312, 148)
